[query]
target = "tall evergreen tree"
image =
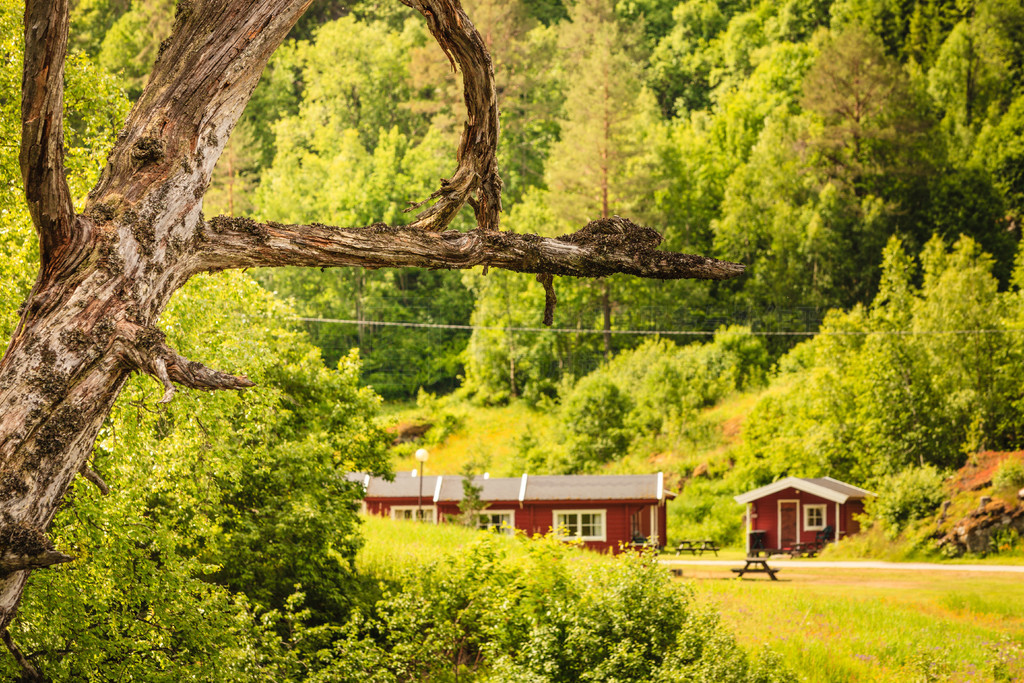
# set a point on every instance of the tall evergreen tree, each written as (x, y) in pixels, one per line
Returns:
(592, 169)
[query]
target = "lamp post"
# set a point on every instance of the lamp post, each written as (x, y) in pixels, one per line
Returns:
(421, 457)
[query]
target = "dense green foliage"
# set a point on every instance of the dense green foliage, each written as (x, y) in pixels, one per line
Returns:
(1009, 475)
(534, 610)
(906, 497)
(796, 137)
(924, 375)
(861, 156)
(220, 506)
(654, 393)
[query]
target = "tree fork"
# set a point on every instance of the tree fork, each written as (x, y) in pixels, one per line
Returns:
(107, 274)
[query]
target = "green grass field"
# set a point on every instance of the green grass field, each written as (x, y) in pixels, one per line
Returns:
(835, 625)
(829, 625)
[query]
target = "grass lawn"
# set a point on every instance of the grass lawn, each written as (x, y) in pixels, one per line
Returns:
(877, 625)
(829, 625)
(486, 435)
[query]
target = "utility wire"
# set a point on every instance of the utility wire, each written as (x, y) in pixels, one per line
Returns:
(691, 333)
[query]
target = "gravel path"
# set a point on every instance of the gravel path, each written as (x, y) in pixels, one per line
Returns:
(826, 564)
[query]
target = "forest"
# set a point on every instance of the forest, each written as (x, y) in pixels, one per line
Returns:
(863, 158)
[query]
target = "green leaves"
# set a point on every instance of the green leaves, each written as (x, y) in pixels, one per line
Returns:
(221, 503)
(921, 378)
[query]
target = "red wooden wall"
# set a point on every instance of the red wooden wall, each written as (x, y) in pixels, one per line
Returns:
(537, 517)
(767, 515)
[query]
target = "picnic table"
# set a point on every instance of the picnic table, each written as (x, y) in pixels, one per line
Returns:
(698, 547)
(757, 565)
(793, 550)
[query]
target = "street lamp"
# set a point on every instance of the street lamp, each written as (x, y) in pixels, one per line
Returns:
(421, 456)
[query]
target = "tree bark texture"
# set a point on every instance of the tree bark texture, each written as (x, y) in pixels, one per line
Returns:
(107, 274)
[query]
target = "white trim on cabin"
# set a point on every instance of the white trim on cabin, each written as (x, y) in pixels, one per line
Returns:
(576, 527)
(661, 486)
(747, 542)
(800, 485)
(808, 508)
(778, 519)
(522, 489)
(437, 489)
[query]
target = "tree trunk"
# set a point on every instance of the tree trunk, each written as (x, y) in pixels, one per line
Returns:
(107, 274)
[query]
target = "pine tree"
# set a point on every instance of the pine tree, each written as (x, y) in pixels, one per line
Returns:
(591, 171)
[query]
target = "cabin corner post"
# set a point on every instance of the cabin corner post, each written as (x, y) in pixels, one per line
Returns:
(746, 540)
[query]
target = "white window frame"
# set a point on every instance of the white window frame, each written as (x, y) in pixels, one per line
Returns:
(413, 508)
(823, 507)
(560, 527)
(508, 528)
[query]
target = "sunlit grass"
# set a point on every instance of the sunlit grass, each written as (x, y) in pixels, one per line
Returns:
(488, 435)
(870, 625)
(395, 549)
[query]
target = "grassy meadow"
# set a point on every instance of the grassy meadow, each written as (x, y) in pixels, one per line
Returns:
(829, 625)
(834, 625)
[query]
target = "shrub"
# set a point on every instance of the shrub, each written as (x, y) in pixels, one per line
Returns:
(907, 496)
(549, 615)
(595, 415)
(1010, 475)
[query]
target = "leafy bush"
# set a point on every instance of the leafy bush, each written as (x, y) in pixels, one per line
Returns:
(595, 418)
(907, 496)
(1010, 475)
(657, 388)
(546, 615)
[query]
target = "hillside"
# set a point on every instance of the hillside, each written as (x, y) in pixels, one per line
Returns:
(499, 440)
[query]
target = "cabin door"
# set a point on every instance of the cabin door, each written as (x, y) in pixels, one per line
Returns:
(787, 524)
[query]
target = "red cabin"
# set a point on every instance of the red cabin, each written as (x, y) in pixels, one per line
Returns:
(603, 511)
(801, 511)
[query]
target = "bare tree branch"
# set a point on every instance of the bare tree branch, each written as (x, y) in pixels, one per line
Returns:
(477, 173)
(94, 477)
(61, 237)
(244, 243)
(144, 349)
(29, 672)
(23, 546)
(203, 78)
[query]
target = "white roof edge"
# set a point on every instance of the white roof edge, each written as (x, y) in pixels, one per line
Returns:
(437, 489)
(661, 486)
(864, 491)
(794, 482)
(522, 489)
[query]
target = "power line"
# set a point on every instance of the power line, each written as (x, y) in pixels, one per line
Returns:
(691, 333)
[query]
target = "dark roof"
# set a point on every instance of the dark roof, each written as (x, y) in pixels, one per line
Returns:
(551, 487)
(593, 487)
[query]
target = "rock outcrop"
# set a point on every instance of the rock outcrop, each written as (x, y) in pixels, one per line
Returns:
(974, 533)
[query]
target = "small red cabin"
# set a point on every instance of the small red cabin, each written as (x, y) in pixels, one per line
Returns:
(603, 511)
(795, 510)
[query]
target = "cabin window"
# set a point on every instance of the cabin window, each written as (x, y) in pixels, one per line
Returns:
(411, 512)
(814, 517)
(502, 522)
(586, 525)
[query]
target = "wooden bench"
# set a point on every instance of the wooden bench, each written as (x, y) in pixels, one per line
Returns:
(698, 547)
(757, 565)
